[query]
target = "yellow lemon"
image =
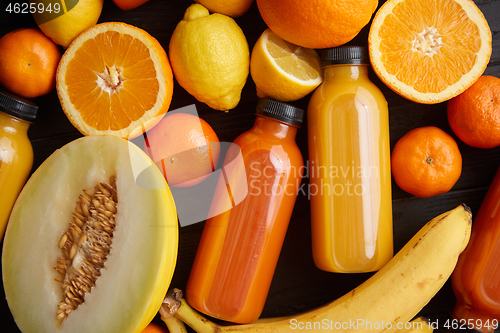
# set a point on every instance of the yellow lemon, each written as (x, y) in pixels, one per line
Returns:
(282, 70)
(233, 8)
(66, 19)
(210, 57)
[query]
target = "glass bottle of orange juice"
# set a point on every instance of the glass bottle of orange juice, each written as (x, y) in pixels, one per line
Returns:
(239, 248)
(476, 278)
(16, 153)
(349, 166)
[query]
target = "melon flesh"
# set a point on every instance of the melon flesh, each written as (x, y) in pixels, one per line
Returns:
(141, 262)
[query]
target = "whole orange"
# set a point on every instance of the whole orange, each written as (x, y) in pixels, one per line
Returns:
(153, 328)
(426, 162)
(474, 115)
(317, 23)
(28, 62)
(184, 147)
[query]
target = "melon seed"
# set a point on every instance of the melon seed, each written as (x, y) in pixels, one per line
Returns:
(63, 240)
(86, 244)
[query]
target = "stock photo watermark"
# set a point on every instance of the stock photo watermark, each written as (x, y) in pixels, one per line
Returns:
(233, 180)
(354, 324)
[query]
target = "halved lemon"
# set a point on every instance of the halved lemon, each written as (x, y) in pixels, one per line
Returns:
(282, 70)
(114, 79)
(429, 51)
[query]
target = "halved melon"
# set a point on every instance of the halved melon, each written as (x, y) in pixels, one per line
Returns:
(88, 248)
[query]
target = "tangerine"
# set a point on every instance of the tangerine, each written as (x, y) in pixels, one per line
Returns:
(153, 328)
(474, 115)
(426, 162)
(184, 147)
(129, 4)
(317, 23)
(28, 62)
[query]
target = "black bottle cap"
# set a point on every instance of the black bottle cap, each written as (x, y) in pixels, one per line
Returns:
(281, 111)
(356, 55)
(17, 106)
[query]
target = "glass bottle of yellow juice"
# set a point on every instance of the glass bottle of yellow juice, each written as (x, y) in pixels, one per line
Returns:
(349, 166)
(16, 153)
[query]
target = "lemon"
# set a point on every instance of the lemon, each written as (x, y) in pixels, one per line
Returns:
(210, 57)
(233, 8)
(67, 20)
(282, 70)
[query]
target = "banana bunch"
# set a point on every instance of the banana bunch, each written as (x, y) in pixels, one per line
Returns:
(387, 300)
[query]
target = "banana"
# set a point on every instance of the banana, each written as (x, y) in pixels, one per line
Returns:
(174, 325)
(386, 301)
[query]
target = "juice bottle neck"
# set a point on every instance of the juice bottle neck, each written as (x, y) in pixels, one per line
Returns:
(345, 72)
(275, 128)
(13, 125)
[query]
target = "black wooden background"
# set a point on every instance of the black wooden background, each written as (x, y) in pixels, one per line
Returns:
(298, 285)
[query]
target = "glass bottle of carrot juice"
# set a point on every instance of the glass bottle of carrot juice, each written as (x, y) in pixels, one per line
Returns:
(16, 153)
(349, 166)
(239, 249)
(476, 278)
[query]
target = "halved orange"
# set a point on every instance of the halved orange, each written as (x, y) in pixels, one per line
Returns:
(115, 79)
(429, 51)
